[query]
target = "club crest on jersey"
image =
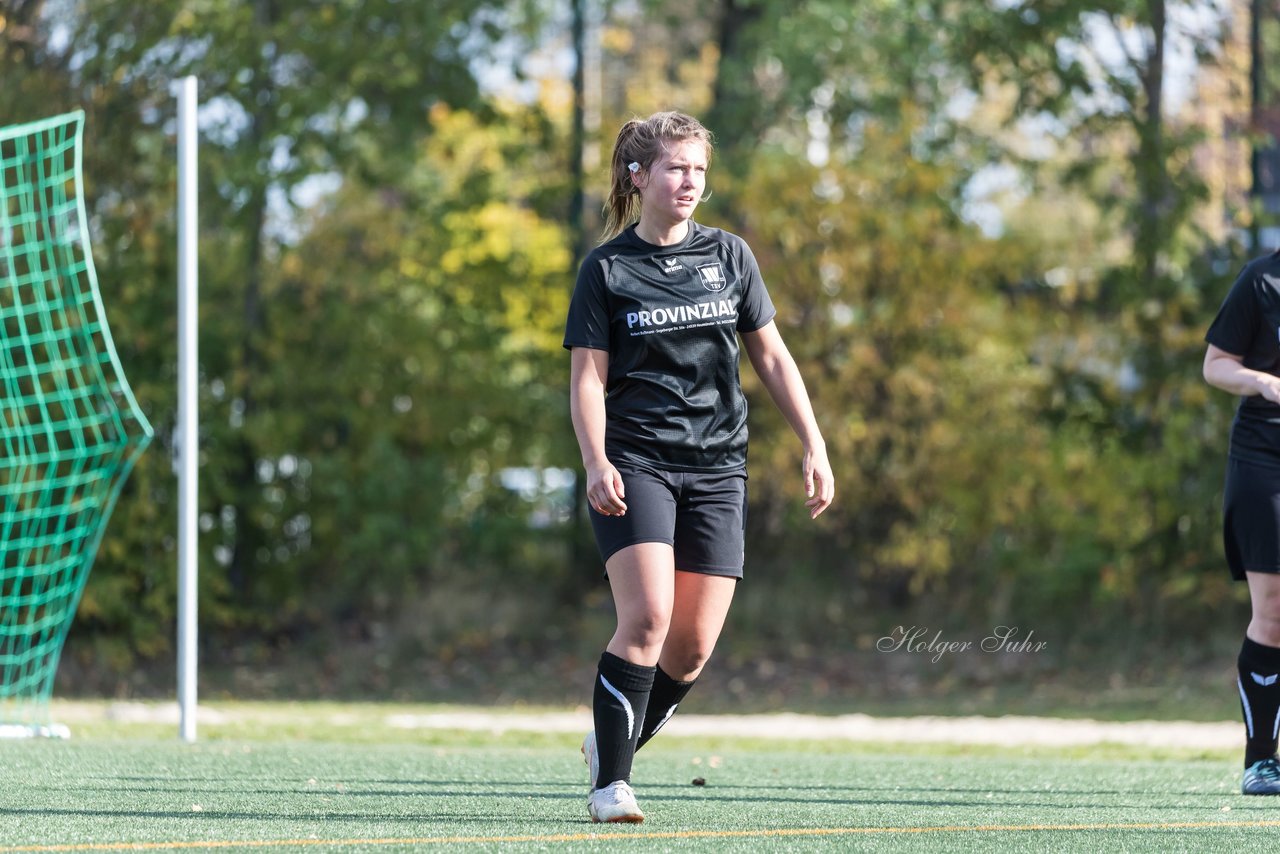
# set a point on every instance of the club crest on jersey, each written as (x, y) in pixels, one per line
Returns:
(713, 277)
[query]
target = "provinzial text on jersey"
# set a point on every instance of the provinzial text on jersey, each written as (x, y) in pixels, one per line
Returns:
(717, 310)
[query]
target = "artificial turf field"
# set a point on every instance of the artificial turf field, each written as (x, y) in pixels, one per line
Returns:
(458, 791)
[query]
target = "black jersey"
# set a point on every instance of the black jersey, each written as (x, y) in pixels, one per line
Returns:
(669, 317)
(1248, 325)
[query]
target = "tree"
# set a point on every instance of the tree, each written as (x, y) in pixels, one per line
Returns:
(294, 99)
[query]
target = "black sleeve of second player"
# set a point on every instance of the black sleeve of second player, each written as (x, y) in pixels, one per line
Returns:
(1237, 321)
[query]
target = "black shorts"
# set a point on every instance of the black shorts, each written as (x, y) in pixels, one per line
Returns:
(1251, 518)
(701, 515)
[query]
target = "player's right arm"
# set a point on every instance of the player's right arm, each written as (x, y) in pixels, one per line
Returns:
(589, 370)
(1227, 371)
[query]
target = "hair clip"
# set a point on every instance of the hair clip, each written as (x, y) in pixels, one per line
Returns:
(633, 166)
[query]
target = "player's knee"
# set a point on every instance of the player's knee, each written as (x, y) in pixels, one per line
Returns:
(1266, 608)
(646, 630)
(1265, 630)
(686, 663)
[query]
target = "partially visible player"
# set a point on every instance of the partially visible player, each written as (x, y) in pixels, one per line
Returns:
(661, 422)
(1243, 358)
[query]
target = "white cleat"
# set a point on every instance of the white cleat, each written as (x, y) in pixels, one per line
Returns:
(615, 803)
(590, 757)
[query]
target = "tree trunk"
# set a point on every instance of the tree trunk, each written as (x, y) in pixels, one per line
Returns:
(245, 490)
(1152, 170)
(735, 103)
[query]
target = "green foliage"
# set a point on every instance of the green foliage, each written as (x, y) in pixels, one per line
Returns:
(918, 363)
(1016, 417)
(1002, 444)
(334, 342)
(415, 365)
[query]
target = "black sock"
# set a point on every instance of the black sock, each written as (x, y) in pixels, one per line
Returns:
(667, 694)
(1259, 682)
(619, 702)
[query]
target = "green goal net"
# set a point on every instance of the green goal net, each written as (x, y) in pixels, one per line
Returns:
(70, 429)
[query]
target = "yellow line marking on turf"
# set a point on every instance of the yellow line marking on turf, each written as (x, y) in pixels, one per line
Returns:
(674, 834)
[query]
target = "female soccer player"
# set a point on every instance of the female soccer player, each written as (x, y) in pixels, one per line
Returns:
(1243, 357)
(660, 419)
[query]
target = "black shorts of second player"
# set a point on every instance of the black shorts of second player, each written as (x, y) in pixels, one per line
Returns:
(701, 515)
(1251, 518)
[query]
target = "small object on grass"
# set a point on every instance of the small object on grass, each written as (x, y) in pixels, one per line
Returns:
(699, 781)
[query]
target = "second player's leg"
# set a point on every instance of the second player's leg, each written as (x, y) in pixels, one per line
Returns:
(1264, 600)
(1259, 682)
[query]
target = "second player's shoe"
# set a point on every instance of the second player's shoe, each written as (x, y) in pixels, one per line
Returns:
(1262, 778)
(615, 803)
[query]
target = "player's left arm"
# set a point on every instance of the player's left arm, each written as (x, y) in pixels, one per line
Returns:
(1227, 371)
(777, 370)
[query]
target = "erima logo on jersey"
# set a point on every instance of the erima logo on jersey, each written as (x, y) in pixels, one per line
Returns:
(681, 314)
(669, 265)
(713, 277)
(1264, 680)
